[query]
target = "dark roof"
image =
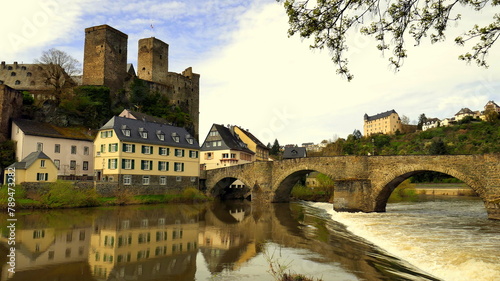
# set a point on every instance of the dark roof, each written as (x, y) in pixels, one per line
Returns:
(135, 126)
(34, 128)
(29, 160)
(228, 138)
(253, 138)
(464, 110)
(294, 152)
(380, 115)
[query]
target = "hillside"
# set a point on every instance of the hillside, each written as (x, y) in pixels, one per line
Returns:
(470, 137)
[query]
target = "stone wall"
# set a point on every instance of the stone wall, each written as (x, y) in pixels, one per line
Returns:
(11, 102)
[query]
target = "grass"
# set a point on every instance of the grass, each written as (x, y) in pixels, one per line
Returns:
(62, 194)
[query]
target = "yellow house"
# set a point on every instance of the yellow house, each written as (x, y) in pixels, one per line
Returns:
(36, 167)
(383, 123)
(137, 152)
(253, 143)
(223, 148)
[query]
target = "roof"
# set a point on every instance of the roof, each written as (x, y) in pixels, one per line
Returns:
(142, 116)
(120, 124)
(294, 152)
(464, 110)
(231, 141)
(253, 138)
(35, 128)
(29, 160)
(380, 115)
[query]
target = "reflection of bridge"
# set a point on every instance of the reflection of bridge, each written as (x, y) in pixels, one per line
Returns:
(362, 183)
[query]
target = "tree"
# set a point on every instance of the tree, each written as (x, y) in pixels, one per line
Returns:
(275, 149)
(405, 120)
(421, 121)
(57, 67)
(389, 23)
(438, 147)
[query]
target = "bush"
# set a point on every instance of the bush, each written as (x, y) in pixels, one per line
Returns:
(404, 190)
(63, 194)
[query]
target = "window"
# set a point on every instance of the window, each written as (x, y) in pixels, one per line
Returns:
(113, 147)
(193, 154)
(73, 149)
(233, 155)
(143, 133)
(193, 179)
(146, 165)
(28, 74)
(126, 132)
(163, 180)
(37, 234)
(72, 165)
(178, 178)
(179, 167)
(42, 176)
(213, 133)
(107, 134)
(145, 180)
(146, 149)
(112, 164)
(39, 146)
(161, 236)
(12, 73)
(127, 147)
(127, 179)
(144, 238)
(57, 148)
(42, 163)
(128, 164)
(103, 148)
(162, 166)
(209, 156)
(225, 155)
(165, 151)
(176, 137)
(189, 139)
(160, 135)
(57, 162)
(179, 152)
(86, 150)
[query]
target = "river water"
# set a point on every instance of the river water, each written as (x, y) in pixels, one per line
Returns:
(432, 240)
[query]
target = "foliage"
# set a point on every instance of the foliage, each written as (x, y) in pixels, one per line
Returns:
(90, 104)
(63, 194)
(280, 269)
(390, 23)
(275, 149)
(27, 98)
(7, 155)
(405, 190)
(438, 147)
(19, 193)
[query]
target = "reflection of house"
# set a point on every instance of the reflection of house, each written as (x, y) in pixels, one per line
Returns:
(36, 167)
(312, 180)
(138, 152)
(383, 123)
(42, 247)
(143, 248)
(70, 148)
(430, 123)
(294, 152)
(223, 147)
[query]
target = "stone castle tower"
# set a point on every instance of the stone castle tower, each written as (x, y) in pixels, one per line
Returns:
(152, 60)
(105, 57)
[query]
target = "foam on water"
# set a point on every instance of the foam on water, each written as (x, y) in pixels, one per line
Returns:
(456, 245)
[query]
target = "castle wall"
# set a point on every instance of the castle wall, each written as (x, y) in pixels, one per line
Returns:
(105, 57)
(11, 102)
(152, 60)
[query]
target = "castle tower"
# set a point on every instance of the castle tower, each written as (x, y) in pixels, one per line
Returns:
(105, 57)
(152, 60)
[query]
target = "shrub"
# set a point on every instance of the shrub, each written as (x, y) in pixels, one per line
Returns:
(63, 194)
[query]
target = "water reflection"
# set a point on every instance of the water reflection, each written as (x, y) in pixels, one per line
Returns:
(164, 242)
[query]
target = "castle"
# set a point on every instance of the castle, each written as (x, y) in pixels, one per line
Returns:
(105, 64)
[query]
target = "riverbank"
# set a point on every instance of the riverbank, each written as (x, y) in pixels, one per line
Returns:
(444, 189)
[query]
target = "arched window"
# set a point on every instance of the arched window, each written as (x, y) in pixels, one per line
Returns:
(28, 74)
(32, 83)
(18, 82)
(12, 73)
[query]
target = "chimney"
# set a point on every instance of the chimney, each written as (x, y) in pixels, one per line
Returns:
(3, 65)
(15, 64)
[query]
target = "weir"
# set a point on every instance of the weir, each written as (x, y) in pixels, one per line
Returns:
(362, 183)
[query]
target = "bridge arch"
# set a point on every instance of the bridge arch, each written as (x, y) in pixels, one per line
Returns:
(399, 174)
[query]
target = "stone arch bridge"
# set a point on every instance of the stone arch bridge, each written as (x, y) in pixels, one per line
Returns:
(362, 183)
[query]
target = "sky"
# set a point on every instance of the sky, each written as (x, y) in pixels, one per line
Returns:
(253, 75)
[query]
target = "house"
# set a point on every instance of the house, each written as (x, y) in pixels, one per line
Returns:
(71, 149)
(142, 153)
(430, 123)
(490, 106)
(448, 122)
(253, 143)
(294, 152)
(383, 123)
(465, 112)
(36, 167)
(222, 148)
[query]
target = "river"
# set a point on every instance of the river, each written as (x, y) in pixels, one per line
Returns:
(431, 240)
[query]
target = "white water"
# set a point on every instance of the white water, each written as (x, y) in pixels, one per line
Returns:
(451, 240)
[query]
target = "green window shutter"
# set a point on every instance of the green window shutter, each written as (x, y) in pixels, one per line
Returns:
(133, 148)
(168, 151)
(159, 167)
(151, 150)
(183, 152)
(142, 164)
(46, 176)
(123, 163)
(124, 148)
(151, 165)
(182, 167)
(133, 163)
(109, 147)
(167, 165)
(109, 163)
(143, 148)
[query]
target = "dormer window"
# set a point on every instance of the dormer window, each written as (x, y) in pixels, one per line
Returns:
(126, 130)
(189, 139)
(160, 135)
(176, 137)
(143, 133)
